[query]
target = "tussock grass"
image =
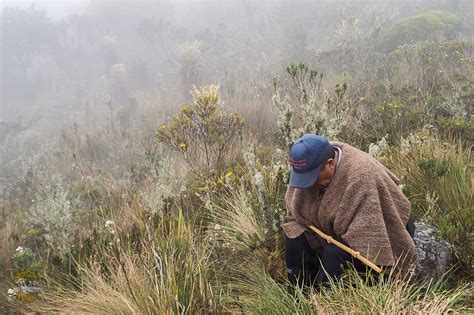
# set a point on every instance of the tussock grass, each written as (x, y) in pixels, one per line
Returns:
(249, 232)
(439, 183)
(241, 224)
(167, 270)
(260, 294)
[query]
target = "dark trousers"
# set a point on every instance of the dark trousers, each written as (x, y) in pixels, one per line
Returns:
(305, 267)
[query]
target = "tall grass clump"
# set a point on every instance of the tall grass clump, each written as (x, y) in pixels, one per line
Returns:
(437, 178)
(256, 292)
(249, 213)
(260, 294)
(157, 265)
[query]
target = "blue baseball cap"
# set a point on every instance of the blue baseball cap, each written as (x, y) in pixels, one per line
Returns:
(307, 155)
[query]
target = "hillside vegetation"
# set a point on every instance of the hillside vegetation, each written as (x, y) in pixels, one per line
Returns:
(151, 180)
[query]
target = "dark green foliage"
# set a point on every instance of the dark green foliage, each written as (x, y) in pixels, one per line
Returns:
(438, 178)
(428, 26)
(432, 167)
(23, 258)
(427, 83)
(461, 127)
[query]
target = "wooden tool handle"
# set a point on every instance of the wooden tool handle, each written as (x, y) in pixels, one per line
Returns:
(347, 249)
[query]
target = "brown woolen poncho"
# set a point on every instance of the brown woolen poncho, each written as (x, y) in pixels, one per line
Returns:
(362, 205)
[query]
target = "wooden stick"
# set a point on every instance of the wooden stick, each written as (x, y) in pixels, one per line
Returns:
(347, 249)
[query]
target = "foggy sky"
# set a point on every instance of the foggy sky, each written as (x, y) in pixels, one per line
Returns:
(56, 9)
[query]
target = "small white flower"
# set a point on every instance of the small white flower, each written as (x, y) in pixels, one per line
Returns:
(110, 226)
(20, 249)
(217, 227)
(11, 292)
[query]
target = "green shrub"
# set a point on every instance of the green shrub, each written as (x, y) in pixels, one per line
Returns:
(54, 212)
(201, 133)
(461, 127)
(394, 120)
(26, 287)
(426, 83)
(305, 107)
(439, 183)
(430, 25)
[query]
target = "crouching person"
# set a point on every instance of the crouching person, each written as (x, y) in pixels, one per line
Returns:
(350, 196)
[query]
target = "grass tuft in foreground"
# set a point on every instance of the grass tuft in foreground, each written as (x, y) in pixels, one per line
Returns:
(260, 294)
(167, 271)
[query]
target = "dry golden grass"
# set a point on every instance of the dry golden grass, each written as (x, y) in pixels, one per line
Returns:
(164, 269)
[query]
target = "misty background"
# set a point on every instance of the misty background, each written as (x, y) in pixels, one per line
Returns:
(105, 74)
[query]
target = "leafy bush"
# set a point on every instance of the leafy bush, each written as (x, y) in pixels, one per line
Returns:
(26, 287)
(305, 107)
(458, 126)
(23, 258)
(201, 133)
(392, 120)
(426, 83)
(53, 212)
(430, 25)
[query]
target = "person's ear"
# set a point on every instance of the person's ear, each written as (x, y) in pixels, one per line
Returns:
(332, 162)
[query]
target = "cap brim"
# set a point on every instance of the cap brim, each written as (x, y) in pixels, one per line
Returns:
(303, 180)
